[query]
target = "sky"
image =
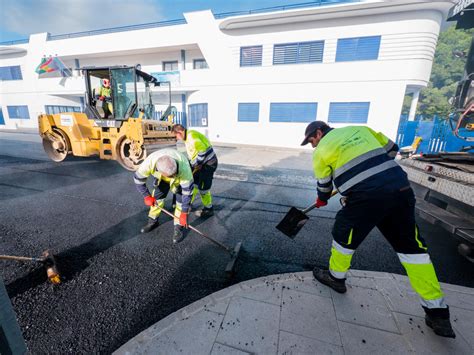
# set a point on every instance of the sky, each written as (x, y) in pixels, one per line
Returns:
(20, 18)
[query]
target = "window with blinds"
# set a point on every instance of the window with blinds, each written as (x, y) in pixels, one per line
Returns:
(251, 56)
(200, 64)
(248, 112)
(197, 114)
(18, 112)
(170, 66)
(358, 48)
(293, 112)
(348, 112)
(296, 53)
(11, 73)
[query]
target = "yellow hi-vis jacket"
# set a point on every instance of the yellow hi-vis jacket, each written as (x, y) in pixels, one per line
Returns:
(198, 147)
(356, 158)
(183, 179)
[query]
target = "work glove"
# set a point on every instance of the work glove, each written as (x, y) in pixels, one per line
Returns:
(320, 203)
(101, 98)
(183, 219)
(149, 201)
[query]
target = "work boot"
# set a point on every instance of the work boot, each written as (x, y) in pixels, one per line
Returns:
(179, 234)
(152, 224)
(438, 320)
(325, 277)
(205, 212)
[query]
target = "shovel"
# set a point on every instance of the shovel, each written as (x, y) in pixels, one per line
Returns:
(295, 219)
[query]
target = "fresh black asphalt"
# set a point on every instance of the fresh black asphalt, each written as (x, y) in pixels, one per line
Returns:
(117, 282)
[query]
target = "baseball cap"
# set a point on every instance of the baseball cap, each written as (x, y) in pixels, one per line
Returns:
(312, 128)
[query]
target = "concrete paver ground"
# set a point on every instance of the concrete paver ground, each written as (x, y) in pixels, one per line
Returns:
(295, 314)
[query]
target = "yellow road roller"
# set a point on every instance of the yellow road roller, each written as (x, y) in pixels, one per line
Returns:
(118, 122)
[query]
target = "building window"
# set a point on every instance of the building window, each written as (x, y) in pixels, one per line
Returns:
(197, 114)
(251, 56)
(359, 48)
(293, 112)
(11, 73)
(302, 52)
(200, 64)
(53, 109)
(248, 112)
(348, 112)
(170, 66)
(2, 120)
(20, 112)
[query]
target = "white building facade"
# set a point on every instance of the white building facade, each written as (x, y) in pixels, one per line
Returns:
(249, 78)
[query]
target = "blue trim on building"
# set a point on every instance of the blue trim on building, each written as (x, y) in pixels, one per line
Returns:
(18, 112)
(298, 53)
(248, 112)
(251, 56)
(293, 111)
(348, 112)
(198, 115)
(358, 48)
(11, 73)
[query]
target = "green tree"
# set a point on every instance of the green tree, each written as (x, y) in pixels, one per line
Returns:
(446, 72)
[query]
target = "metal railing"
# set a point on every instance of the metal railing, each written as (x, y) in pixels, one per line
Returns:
(182, 21)
(16, 41)
(284, 7)
(118, 29)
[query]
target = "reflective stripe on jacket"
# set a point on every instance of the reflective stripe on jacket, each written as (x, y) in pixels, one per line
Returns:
(198, 147)
(356, 158)
(183, 179)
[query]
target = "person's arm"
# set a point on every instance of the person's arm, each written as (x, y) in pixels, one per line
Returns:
(390, 147)
(323, 173)
(140, 178)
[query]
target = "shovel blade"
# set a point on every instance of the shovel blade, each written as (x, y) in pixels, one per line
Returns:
(293, 221)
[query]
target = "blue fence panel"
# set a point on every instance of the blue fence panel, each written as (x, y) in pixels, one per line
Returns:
(436, 134)
(179, 117)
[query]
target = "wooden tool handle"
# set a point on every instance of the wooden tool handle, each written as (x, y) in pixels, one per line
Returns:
(199, 232)
(19, 258)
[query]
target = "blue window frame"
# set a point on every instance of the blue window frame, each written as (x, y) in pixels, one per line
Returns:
(251, 56)
(293, 112)
(11, 73)
(248, 112)
(358, 48)
(52, 109)
(20, 112)
(2, 120)
(348, 112)
(302, 52)
(197, 114)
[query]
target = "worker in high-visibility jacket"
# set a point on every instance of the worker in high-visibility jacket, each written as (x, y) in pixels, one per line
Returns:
(103, 94)
(170, 171)
(203, 161)
(360, 163)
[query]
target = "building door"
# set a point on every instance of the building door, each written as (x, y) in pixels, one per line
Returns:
(2, 121)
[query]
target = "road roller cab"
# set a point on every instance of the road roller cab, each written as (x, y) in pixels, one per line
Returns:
(118, 120)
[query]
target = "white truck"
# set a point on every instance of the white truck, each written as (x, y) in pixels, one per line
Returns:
(444, 189)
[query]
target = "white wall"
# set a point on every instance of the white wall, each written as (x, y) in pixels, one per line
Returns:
(407, 48)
